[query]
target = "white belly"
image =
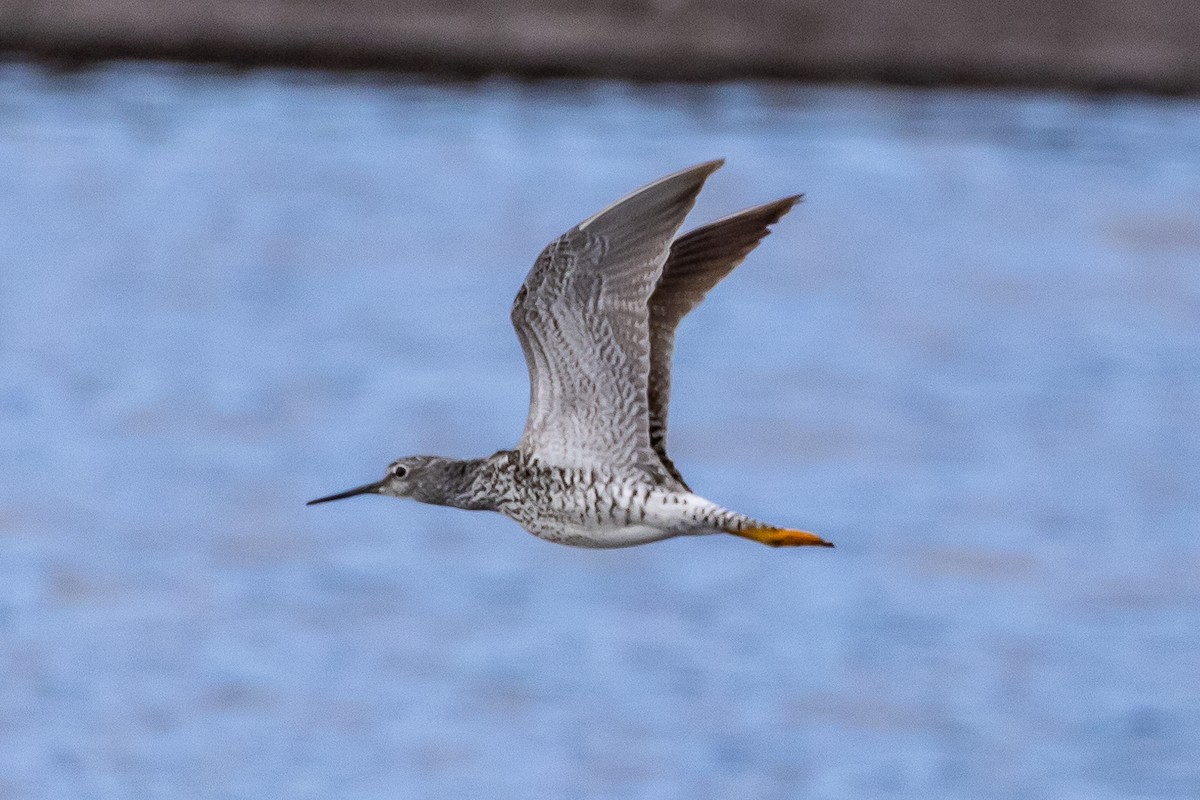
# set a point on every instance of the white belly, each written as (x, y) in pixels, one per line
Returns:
(652, 516)
(617, 536)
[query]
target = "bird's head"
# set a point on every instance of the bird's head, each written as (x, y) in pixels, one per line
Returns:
(423, 478)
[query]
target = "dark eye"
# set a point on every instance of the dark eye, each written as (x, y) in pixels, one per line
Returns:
(399, 470)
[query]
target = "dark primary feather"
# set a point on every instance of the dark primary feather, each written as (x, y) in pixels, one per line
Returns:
(582, 316)
(697, 262)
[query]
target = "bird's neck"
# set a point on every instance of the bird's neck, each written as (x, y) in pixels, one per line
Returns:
(458, 486)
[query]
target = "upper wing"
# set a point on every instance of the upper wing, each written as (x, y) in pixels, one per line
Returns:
(697, 262)
(582, 316)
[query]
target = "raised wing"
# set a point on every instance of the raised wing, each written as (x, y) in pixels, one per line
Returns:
(697, 262)
(582, 316)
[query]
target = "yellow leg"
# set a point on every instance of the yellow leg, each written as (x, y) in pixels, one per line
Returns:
(782, 537)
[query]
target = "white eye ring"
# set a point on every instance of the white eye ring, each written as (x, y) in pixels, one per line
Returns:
(399, 471)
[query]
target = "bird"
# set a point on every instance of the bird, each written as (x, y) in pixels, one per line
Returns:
(596, 317)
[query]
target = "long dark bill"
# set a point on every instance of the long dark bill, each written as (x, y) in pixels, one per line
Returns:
(368, 488)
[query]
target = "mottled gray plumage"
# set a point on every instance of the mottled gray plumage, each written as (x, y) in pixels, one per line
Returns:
(582, 316)
(596, 317)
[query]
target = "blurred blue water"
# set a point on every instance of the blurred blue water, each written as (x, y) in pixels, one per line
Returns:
(971, 358)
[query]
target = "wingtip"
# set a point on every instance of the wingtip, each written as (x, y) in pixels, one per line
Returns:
(711, 164)
(767, 213)
(688, 181)
(701, 170)
(774, 211)
(783, 204)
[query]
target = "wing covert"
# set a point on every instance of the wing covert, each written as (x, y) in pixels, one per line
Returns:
(582, 316)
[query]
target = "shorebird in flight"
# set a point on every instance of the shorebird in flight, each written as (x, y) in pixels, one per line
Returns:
(596, 317)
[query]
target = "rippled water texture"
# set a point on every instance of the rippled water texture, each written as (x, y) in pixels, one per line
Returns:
(971, 358)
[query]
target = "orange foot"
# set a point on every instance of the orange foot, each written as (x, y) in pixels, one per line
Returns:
(782, 537)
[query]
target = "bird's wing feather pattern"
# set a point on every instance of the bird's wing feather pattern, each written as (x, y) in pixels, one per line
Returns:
(582, 316)
(697, 262)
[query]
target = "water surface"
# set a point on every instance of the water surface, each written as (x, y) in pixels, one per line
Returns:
(971, 358)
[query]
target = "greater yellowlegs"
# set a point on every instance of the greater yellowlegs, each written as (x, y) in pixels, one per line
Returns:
(596, 317)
